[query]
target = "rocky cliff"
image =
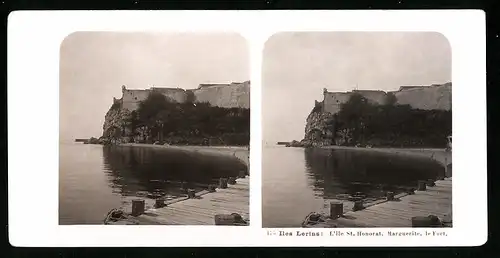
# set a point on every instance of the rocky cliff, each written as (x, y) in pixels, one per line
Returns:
(176, 124)
(115, 124)
(398, 124)
(318, 130)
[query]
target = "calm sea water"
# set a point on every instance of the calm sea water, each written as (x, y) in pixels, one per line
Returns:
(94, 179)
(298, 181)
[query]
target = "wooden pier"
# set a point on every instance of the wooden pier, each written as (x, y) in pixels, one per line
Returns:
(402, 210)
(202, 208)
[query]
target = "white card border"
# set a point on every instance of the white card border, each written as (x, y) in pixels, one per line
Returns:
(33, 99)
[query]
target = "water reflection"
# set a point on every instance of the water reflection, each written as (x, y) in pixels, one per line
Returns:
(334, 172)
(152, 172)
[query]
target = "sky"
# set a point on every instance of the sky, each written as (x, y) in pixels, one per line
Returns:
(94, 66)
(298, 65)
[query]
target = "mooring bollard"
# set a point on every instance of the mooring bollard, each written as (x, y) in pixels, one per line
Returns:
(211, 188)
(336, 210)
(233, 219)
(231, 181)
(440, 177)
(421, 185)
(358, 205)
(410, 191)
(138, 206)
(431, 182)
(183, 187)
(390, 196)
(159, 203)
(242, 174)
(430, 221)
(191, 193)
(222, 183)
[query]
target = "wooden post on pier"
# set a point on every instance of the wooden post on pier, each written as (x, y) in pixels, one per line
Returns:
(336, 210)
(390, 196)
(421, 185)
(222, 183)
(183, 187)
(430, 221)
(211, 188)
(191, 193)
(231, 181)
(410, 191)
(159, 203)
(358, 205)
(138, 207)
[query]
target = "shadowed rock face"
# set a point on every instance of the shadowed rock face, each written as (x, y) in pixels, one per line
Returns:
(115, 119)
(318, 130)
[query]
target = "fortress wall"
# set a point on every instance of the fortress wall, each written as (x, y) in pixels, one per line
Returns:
(418, 97)
(333, 100)
(131, 98)
(174, 94)
(221, 95)
(240, 94)
(432, 97)
(212, 94)
(225, 95)
(376, 97)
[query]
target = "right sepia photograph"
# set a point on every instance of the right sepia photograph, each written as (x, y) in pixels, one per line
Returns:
(357, 130)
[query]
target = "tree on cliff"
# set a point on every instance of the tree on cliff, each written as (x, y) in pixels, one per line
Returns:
(185, 123)
(354, 114)
(390, 99)
(152, 106)
(391, 125)
(190, 98)
(133, 121)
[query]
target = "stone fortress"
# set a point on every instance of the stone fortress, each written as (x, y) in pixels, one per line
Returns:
(436, 96)
(231, 95)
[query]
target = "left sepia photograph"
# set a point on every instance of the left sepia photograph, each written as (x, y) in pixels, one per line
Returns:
(154, 129)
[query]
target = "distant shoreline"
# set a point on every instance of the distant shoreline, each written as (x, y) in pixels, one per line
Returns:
(239, 152)
(438, 154)
(382, 149)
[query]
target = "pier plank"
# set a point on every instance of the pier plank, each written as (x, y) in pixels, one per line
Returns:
(200, 210)
(436, 200)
